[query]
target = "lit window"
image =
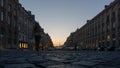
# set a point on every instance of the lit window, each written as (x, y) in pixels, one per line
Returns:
(108, 37)
(24, 45)
(20, 45)
(27, 46)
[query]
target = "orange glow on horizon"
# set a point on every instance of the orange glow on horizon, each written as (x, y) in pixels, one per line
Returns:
(57, 38)
(58, 43)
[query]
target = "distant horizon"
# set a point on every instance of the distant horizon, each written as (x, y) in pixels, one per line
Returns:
(59, 18)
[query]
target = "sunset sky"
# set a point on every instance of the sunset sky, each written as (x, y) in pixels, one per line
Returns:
(61, 17)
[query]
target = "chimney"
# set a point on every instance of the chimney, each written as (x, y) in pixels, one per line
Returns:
(29, 12)
(106, 6)
(88, 21)
(33, 16)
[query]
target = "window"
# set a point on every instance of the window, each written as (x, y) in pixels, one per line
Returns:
(2, 16)
(2, 30)
(119, 41)
(15, 12)
(113, 17)
(9, 37)
(108, 24)
(20, 45)
(108, 27)
(119, 34)
(113, 21)
(103, 28)
(113, 36)
(15, 21)
(119, 14)
(9, 20)
(15, 34)
(118, 18)
(2, 2)
(103, 38)
(9, 40)
(113, 25)
(9, 8)
(113, 43)
(15, 41)
(19, 28)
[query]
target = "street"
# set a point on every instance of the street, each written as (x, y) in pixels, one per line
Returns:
(60, 59)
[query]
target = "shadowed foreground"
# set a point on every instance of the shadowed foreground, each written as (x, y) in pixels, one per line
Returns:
(60, 59)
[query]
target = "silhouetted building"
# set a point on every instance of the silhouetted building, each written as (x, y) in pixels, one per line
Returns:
(8, 23)
(45, 40)
(26, 23)
(101, 31)
(16, 26)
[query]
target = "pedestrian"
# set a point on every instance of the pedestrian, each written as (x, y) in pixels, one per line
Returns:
(37, 36)
(37, 43)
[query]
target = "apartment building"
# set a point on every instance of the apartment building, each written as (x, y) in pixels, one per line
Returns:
(101, 31)
(8, 23)
(26, 22)
(16, 25)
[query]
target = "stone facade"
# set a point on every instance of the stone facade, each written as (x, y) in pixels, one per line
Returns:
(26, 22)
(8, 24)
(101, 31)
(16, 26)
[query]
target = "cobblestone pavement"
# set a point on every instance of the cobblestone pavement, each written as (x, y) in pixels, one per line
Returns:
(60, 59)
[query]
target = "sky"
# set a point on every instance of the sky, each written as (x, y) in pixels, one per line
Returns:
(59, 18)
